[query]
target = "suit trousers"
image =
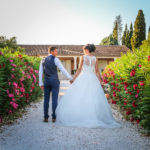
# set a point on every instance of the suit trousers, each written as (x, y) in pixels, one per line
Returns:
(51, 85)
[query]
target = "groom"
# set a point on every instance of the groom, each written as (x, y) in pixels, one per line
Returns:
(48, 66)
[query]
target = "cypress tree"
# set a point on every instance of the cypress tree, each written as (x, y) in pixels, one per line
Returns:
(149, 33)
(124, 35)
(139, 32)
(119, 23)
(115, 31)
(127, 39)
(130, 35)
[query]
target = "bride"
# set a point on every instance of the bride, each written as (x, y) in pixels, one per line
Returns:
(84, 103)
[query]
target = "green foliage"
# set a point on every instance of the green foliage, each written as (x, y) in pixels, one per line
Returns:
(139, 32)
(129, 80)
(109, 41)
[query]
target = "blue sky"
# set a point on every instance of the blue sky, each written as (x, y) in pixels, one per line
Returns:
(66, 21)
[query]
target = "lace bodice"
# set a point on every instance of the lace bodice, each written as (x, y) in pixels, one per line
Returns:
(89, 63)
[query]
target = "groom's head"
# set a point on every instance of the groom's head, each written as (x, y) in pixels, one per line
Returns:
(52, 50)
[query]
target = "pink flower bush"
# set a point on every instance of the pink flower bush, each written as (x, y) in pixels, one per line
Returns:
(130, 85)
(21, 86)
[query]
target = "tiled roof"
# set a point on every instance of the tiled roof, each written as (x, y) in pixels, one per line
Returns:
(75, 50)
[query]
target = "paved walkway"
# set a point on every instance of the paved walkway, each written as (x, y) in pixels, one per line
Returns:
(30, 133)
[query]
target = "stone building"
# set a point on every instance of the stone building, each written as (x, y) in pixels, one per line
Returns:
(70, 54)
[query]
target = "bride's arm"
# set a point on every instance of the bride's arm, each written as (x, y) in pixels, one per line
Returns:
(97, 71)
(79, 70)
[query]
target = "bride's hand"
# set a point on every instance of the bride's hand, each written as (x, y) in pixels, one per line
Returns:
(71, 81)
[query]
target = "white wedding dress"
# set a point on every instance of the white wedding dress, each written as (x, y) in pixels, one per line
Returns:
(84, 103)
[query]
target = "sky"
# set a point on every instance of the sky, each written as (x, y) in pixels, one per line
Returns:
(68, 22)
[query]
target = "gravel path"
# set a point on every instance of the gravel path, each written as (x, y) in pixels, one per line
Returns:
(31, 133)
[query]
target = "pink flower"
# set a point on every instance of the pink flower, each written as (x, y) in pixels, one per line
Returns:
(137, 91)
(128, 112)
(125, 102)
(22, 89)
(141, 83)
(10, 112)
(140, 65)
(13, 99)
(28, 76)
(137, 121)
(16, 91)
(12, 69)
(131, 119)
(10, 60)
(136, 95)
(13, 65)
(105, 81)
(149, 58)
(7, 91)
(34, 77)
(19, 55)
(12, 76)
(31, 71)
(15, 85)
(11, 95)
(15, 106)
(133, 104)
(132, 73)
(23, 72)
(113, 102)
(134, 86)
(114, 94)
(21, 95)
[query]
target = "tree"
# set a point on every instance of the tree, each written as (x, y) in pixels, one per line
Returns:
(146, 42)
(127, 39)
(115, 31)
(139, 32)
(119, 22)
(10, 43)
(109, 41)
(130, 35)
(124, 35)
(148, 34)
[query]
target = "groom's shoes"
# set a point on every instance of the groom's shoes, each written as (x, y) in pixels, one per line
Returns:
(53, 120)
(45, 120)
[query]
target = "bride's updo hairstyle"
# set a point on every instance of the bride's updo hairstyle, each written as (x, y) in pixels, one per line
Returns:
(90, 47)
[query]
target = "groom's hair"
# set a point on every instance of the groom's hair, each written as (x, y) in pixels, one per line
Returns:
(52, 48)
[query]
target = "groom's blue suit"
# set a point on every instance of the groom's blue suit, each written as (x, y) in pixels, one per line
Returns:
(51, 83)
